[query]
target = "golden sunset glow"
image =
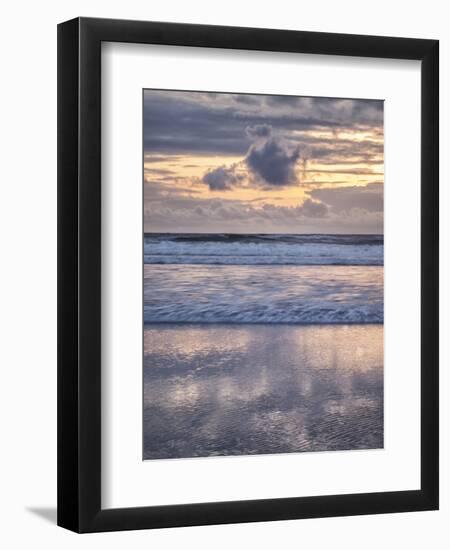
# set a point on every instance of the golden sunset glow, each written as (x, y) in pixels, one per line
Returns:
(230, 162)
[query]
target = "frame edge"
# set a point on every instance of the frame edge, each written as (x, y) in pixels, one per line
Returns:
(430, 275)
(67, 370)
(79, 504)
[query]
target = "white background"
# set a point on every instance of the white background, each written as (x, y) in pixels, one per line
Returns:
(28, 290)
(129, 481)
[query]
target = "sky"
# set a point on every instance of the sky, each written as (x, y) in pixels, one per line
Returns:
(240, 163)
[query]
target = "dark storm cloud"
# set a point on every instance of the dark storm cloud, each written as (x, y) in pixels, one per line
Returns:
(246, 99)
(258, 131)
(269, 160)
(222, 178)
(190, 122)
(368, 197)
(368, 110)
(174, 125)
(359, 112)
(282, 100)
(273, 162)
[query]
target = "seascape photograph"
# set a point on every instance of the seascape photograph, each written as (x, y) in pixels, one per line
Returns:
(263, 263)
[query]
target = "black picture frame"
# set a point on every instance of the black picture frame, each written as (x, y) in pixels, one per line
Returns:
(79, 274)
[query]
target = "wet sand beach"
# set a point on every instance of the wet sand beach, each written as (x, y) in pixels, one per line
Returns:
(212, 390)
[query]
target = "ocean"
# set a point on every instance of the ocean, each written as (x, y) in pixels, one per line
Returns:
(262, 344)
(299, 279)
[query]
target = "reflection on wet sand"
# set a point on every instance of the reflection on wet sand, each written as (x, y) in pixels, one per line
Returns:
(213, 390)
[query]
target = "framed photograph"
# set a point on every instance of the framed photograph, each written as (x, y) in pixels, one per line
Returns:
(248, 275)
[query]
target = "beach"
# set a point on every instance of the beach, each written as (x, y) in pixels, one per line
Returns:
(262, 344)
(213, 390)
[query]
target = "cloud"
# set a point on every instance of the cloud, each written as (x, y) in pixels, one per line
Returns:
(158, 172)
(186, 123)
(148, 157)
(341, 151)
(281, 141)
(246, 99)
(273, 161)
(340, 199)
(313, 209)
(258, 131)
(222, 178)
(208, 123)
(269, 161)
(283, 100)
(189, 214)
